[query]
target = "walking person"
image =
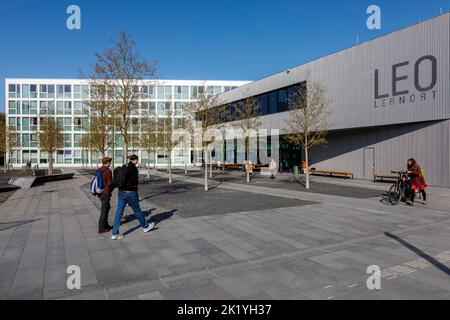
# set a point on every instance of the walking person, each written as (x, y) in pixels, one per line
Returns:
(105, 196)
(128, 177)
(417, 181)
(273, 168)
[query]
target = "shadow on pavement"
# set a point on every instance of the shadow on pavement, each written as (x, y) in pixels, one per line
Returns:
(158, 218)
(420, 253)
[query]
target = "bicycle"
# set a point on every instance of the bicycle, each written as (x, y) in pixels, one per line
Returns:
(398, 190)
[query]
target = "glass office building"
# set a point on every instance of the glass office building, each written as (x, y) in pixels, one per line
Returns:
(66, 100)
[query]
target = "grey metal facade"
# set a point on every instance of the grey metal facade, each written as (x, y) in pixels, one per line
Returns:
(390, 101)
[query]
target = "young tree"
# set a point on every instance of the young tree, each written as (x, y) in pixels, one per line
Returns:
(200, 119)
(50, 138)
(307, 125)
(248, 115)
(121, 69)
(150, 141)
(166, 128)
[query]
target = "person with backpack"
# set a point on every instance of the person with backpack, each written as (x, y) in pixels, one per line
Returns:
(102, 186)
(417, 179)
(126, 178)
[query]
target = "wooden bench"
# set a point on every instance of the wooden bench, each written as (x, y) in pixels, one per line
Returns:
(385, 176)
(332, 173)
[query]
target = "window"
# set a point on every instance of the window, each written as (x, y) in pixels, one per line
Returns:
(77, 157)
(25, 91)
(63, 91)
(225, 89)
(43, 91)
(13, 107)
(135, 108)
(25, 107)
(77, 92)
(25, 156)
(12, 122)
(282, 101)
(51, 107)
(33, 141)
(85, 92)
(33, 91)
(264, 104)
(25, 124)
(26, 140)
(67, 107)
(14, 90)
(209, 91)
(77, 108)
(144, 92)
(67, 140)
(60, 156)
(217, 89)
(77, 124)
(59, 107)
(33, 123)
(152, 92)
(67, 124)
(162, 157)
(34, 156)
(160, 109)
(179, 108)
(197, 92)
(273, 102)
(77, 142)
(152, 109)
(168, 92)
(51, 91)
(43, 158)
(67, 91)
(161, 92)
(181, 92)
(33, 107)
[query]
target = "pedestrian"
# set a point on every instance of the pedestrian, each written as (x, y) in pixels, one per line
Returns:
(417, 181)
(105, 196)
(128, 180)
(273, 168)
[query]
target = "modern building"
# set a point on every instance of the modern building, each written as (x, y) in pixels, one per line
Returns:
(390, 101)
(65, 99)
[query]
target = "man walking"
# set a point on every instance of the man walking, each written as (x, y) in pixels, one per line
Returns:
(105, 196)
(128, 194)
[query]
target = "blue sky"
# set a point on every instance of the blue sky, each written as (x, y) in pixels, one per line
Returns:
(192, 39)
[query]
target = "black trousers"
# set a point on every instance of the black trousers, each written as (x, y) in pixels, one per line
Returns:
(104, 211)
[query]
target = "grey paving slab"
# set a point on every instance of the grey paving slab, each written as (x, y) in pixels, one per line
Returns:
(316, 250)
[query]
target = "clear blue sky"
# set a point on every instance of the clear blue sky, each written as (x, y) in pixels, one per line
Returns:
(192, 39)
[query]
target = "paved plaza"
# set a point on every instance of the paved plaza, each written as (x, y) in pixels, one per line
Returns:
(263, 240)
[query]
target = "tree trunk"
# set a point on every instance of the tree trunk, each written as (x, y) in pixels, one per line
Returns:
(170, 170)
(206, 169)
(307, 168)
(148, 169)
(125, 152)
(210, 164)
(50, 163)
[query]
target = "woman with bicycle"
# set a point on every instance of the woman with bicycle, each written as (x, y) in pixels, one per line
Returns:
(417, 181)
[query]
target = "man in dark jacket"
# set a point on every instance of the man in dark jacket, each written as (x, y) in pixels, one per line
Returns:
(128, 194)
(105, 197)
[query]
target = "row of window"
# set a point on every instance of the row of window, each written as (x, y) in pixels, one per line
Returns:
(78, 108)
(82, 156)
(50, 91)
(263, 104)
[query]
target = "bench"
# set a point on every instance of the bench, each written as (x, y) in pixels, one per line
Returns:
(331, 173)
(385, 176)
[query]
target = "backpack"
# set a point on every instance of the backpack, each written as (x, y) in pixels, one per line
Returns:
(119, 176)
(422, 172)
(97, 184)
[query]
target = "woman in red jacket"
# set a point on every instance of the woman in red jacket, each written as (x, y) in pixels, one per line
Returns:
(417, 181)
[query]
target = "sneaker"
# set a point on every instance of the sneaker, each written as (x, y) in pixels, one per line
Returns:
(424, 203)
(116, 237)
(150, 227)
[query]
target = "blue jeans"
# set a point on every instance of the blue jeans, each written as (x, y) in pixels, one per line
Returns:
(132, 198)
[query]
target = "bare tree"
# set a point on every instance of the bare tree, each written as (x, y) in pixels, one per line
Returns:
(150, 140)
(50, 138)
(307, 125)
(121, 69)
(248, 114)
(200, 119)
(166, 129)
